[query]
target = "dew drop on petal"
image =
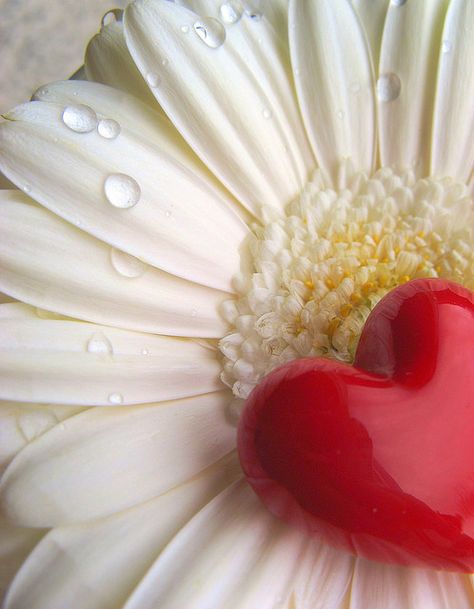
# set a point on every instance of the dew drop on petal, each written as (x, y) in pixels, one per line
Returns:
(108, 128)
(184, 29)
(27, 188)
(115, 14)
(210, 31)
(145, 352)
(388, 87)
(253, 9)
(116, 398)
(80, 118)
(164, 62)
(122, 190)
(231, 12)
(99, 343)
(267, 113)
(126, 265)
(398, 2)
(153, 79)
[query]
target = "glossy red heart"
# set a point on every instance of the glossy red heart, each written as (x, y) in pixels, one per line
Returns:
(377, 457)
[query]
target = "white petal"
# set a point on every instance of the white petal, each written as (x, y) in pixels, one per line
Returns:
(17, 310)
(407, 80)
(105, 460)
(22, 423)
(232, 555)
(372, 14)
(323, 577)
(179, 221)
(333, 76)
(452, 151)
(384, 586)
(52, 264)
(69, 362)
(97, 565)
(15, 545)
(234, 104)
(108, 61)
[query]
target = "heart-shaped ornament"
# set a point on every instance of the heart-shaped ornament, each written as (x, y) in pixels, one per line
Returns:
(377, 457)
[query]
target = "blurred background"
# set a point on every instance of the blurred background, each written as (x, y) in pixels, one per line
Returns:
(44, 40)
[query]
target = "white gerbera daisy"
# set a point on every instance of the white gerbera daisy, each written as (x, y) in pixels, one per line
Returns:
(212, 202)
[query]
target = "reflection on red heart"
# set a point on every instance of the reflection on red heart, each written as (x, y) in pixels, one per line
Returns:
(378, 457)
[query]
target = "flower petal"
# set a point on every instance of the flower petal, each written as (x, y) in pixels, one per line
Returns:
(334, 81)
(22, 423)
(70, 362)
(452, 152)
(52, 264)
(234, 104)
(323, 577)
(168, 227)
(407, 81)
(233, 555)
(384, 586)
(372, 14)
(106, 460)
(108, 61)
(15, 545)
(77, 566)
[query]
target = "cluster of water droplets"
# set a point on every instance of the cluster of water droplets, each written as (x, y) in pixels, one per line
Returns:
(322, 266)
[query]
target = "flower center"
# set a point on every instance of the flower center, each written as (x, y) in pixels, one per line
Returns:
(322, 265)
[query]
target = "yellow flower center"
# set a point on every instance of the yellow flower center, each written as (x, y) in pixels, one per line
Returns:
(322, 266)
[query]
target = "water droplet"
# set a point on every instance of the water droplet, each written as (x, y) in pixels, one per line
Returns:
(153, 79)
(388, 87)
(185, 29)
(340, 114)
(253, 9)
(398, 2)
(231, 11)
(168, 214)
(164, 62)
(115, 14)
(267, 113)
(99, 343)
(446, 46)
(80, 118)
(210, 31)
(116, 398)
(27, 188)
(121, 190)
(145, 352)
(126, 265)
(108, 128)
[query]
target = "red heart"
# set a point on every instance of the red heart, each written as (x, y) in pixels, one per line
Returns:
(377, 457)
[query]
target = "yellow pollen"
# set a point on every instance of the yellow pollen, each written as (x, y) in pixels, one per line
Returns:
(330, 283)
(309, 284)
(355, 298)
(368, 287)
(346, 309)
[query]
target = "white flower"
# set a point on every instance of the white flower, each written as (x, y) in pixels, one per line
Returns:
(267, 201)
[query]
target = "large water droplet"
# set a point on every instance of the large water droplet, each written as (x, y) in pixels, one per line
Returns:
(115, 14)
(388, 87)
(122, 190)
(231, 11)
(211, 31)
(153, 79)
(116, 398)
(126, 265)
(398, 2)
(80, 118)
(108, 128)
(99, 343)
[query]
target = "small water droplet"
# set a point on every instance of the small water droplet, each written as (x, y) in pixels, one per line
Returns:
(108, 128)
(164, 62)
(145, 352)
(388, 87)
(99, 343)
(398, 2)
(267, 113)
(79, 118)
(75, 93)
(340, 114)
(153, 79)
(27, 188)
(121, 190)
(253, 9)
(185, 29)
(231, 11)
(116, 398)
(115, 14)
(210, 31)
(126, 265)
(446, 46)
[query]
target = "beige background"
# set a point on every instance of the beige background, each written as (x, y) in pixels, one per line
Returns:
(42, 41)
